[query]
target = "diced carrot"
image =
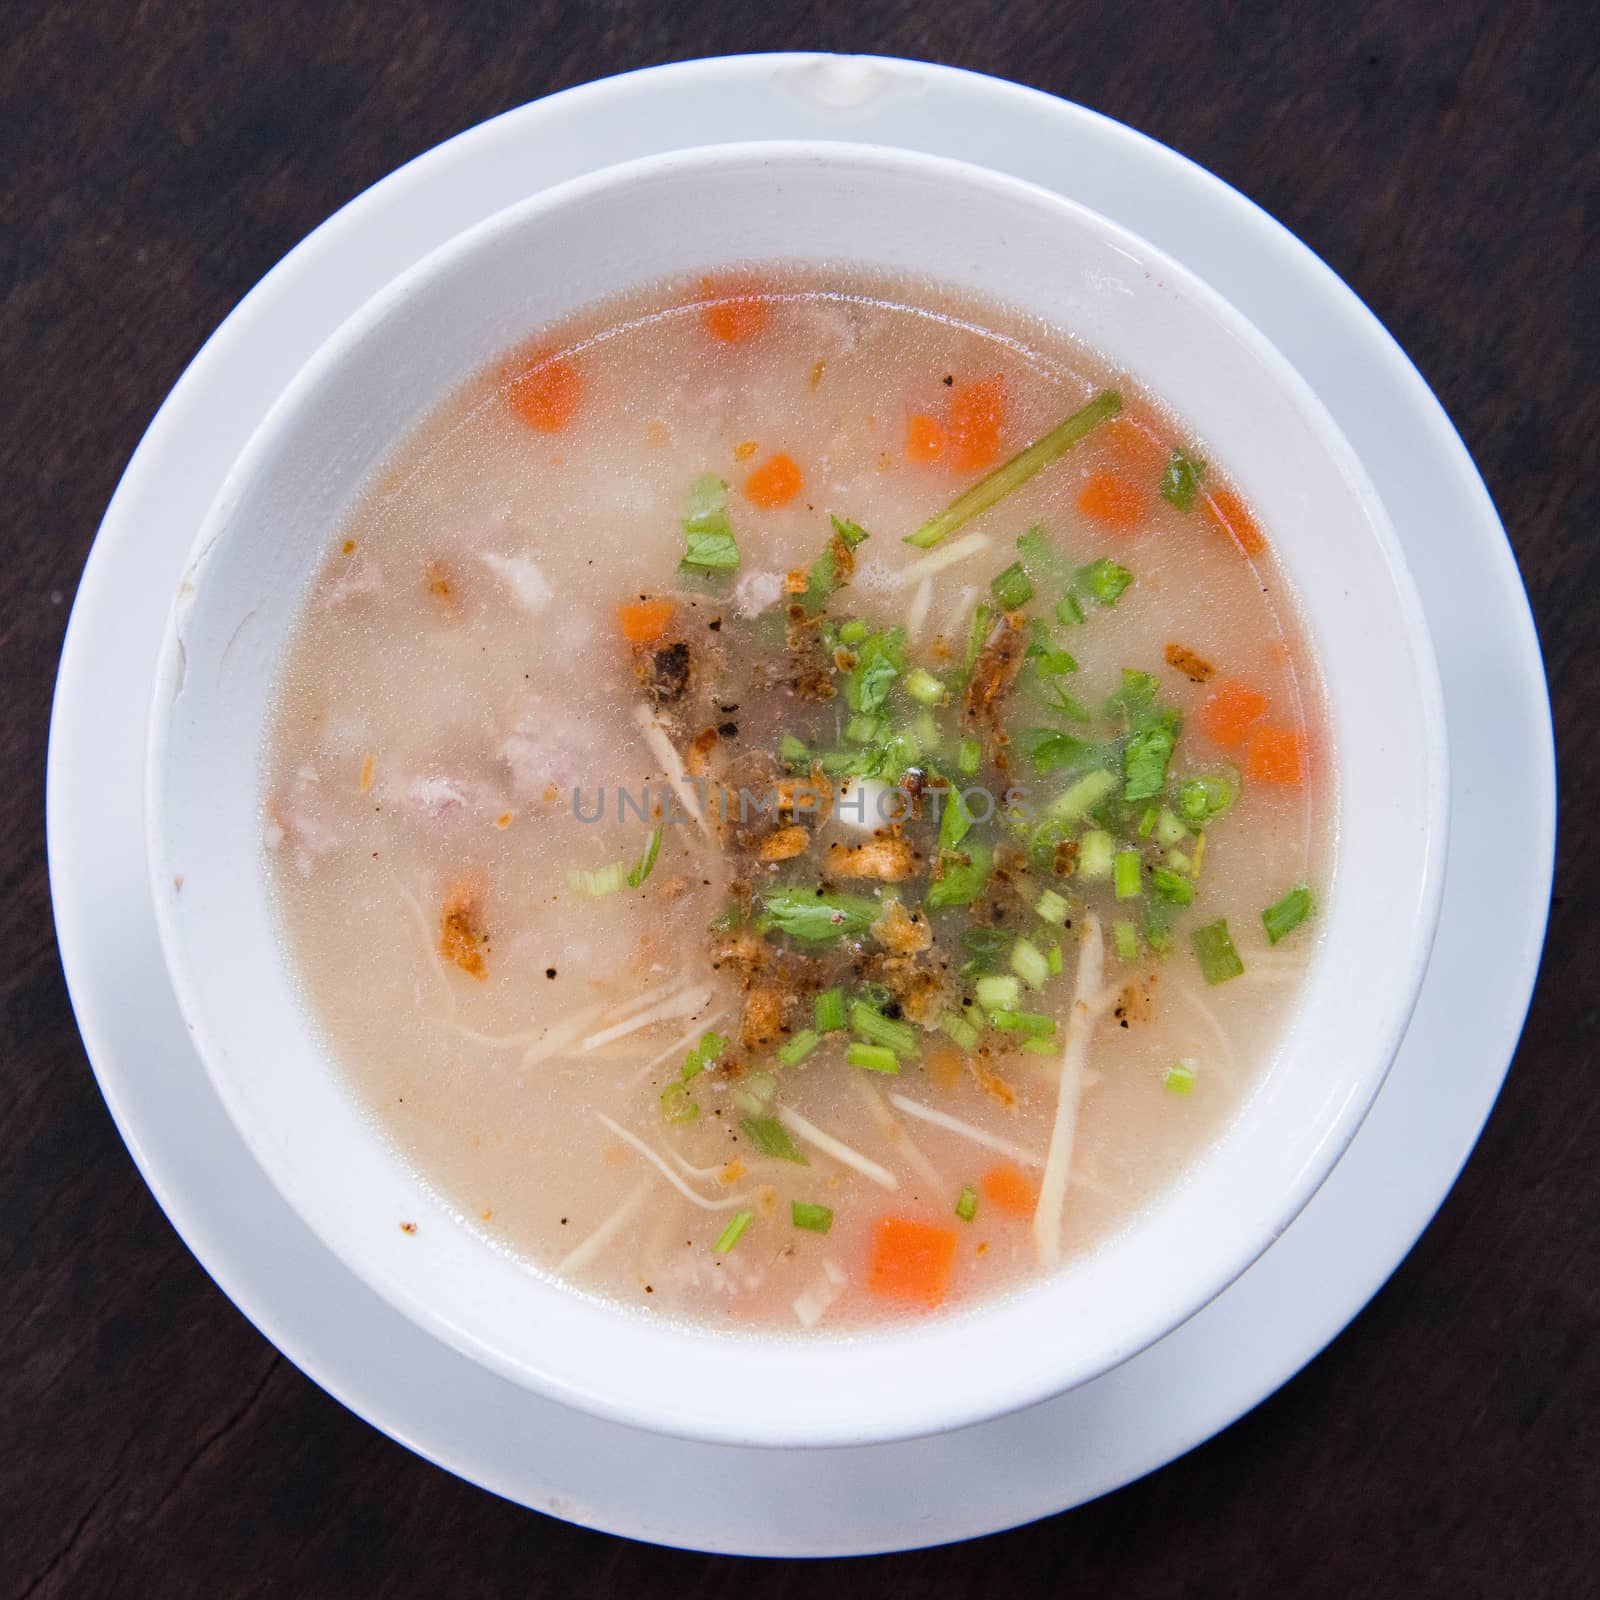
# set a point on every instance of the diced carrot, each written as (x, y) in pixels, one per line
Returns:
(912, 1261)
(925, 440)
(644, 621)
(1136, 446)
(977, 417)
(1008, 1188)
(1115, 499)
(1276, 755)
(1229, 710)
(732, 317)
(546, 394)
(774, 483)
(1227, 511)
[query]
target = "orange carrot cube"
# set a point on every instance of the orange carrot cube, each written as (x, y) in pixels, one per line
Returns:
(977, 419)
(546, 394)
(912, 1261)
(925, 439)
(774, 483)
(1114, 499)
(1276, 755)
(1230, 709)
(1006, 1187)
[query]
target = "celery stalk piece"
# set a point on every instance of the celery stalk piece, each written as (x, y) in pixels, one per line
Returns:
(1012, 474)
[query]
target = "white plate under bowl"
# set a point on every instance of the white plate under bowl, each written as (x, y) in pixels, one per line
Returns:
(971, 1481)
(427, 333)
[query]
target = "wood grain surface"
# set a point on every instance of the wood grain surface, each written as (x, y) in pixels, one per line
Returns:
(156, 159)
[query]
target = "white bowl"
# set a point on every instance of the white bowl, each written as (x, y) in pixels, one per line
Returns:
(443, 320)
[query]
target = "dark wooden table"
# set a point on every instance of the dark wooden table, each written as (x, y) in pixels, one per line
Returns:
(157, 158)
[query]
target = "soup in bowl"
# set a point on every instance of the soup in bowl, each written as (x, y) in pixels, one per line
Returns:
(757, 798)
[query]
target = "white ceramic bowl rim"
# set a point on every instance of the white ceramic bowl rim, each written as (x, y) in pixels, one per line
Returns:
(824, 1391)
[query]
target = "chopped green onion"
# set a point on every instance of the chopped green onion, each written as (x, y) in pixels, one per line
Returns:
(1127, 940)
(853, 631)
(1082, 796)
(705, 504)
(1169, 828)
(602, 881)
(734, 1232)
(830, 1014)
(961, 882)
(978, 634)
(904, 748)
(1045, 564)
(1179, 862)
(1127, 875)
(1104, 580)
(771, 1138)
(864, 729)
(1096, 854)
(880, 659)
(1144, 762)
(1134, 702)
(799, 1047)
(1049, 693)
(1033, 1023)
(958, 1029)
(1051, 750)
(1029, 963)
(968, 757)
(955, 823)
(874, 1057)
(817, 917)
(1180, 483)
(1147, 821)
(1012, 588)
(824, 581)
(676, 1106)
(1287, 914)
(1157, 921)
(710, 552)
(1049, 660)
(645, 865)
(1052, 907)
(988, 947)
(1014, 473)
(999, 992)
(967, 1203)
(813, 1218)
(921, 685)
(707, 532)
(1172, 886)
(1200, 799)
(1213, 947)
(1179, 1078)
(703, 1054)
(753, 1091)
(1053, 956)
(876, 1028)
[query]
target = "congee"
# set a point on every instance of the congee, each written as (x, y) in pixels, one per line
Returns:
(799, 800)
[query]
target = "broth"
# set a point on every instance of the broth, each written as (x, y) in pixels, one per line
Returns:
(692, 1059)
